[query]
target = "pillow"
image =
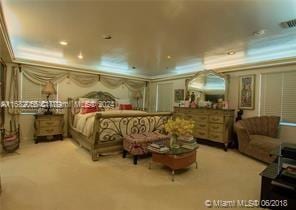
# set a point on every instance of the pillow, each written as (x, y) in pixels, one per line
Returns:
(88, 107)
(125, 107)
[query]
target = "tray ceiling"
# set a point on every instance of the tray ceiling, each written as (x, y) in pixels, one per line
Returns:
(196, 35)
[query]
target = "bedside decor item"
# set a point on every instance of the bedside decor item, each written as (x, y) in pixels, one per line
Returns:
(48, 89)
(179, 95)
(178, 127)
(137, 95)
(246, 92)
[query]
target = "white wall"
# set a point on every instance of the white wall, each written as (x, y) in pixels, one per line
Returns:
(176, 83)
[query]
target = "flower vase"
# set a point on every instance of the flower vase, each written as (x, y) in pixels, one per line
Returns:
(173, 140)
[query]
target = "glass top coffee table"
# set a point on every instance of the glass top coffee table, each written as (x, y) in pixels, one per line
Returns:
(177, 158)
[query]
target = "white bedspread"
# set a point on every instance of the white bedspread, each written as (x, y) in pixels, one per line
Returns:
(84, 123)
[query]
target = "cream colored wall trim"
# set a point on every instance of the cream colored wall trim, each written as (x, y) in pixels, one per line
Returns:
(255, 66)
(261, 65)
(282, 62)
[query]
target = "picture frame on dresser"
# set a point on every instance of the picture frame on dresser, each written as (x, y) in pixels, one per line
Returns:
(179, 95)
(247, 92)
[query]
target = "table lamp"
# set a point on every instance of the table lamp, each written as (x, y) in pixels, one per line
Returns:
(137, 95)
(48, 89)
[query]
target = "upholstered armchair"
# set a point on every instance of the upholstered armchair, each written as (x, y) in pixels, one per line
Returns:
(257, 137)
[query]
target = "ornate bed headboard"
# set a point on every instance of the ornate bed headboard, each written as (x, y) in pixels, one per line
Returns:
(100, 96)
(104, 99)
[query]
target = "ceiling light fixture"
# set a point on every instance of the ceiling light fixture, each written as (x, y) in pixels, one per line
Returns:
(80, 56)
(169, 57)
(259, 33)
(64, 43)
(107, 36)
(231, 52)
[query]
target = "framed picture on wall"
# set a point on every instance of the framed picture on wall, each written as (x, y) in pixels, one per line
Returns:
(179, 95)
(247, 92)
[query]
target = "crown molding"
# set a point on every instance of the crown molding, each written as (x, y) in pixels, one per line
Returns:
(258, 65)
(4, 33)
(167, 77)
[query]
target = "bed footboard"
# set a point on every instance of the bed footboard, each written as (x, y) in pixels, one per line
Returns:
(109, 130)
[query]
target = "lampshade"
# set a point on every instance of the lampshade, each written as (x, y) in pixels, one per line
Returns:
(137, 95)
(49, 89)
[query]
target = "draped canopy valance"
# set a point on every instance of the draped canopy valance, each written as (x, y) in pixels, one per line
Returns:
(40, 75)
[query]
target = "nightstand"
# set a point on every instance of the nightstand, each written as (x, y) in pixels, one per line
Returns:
(48, 127)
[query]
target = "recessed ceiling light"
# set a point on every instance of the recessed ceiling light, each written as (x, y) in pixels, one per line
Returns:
(169, 57)
(259, 33)
(108, 36)
(80, 56)
(64, 43)
(231, 52)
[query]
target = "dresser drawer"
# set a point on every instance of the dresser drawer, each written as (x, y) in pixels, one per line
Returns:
(186, 116)
(49, 131)
(216, 136)
(201, 118)
(203, 134)
(216, 119)
(201, 111)
(49, 123)
(216, 112)
(201, 126)
(215, 127)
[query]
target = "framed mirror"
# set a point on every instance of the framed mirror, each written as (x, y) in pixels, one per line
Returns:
(207, 86)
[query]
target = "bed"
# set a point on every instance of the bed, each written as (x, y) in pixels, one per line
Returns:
(102, 132)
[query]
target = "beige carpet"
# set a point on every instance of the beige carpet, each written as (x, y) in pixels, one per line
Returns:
(61, 176)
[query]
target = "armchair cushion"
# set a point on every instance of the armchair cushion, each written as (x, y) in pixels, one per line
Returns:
(264, 143)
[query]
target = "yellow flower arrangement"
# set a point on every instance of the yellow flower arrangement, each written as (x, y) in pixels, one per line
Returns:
(179, 127)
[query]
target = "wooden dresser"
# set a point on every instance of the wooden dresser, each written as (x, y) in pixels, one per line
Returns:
(49, 127)
(210, 124)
